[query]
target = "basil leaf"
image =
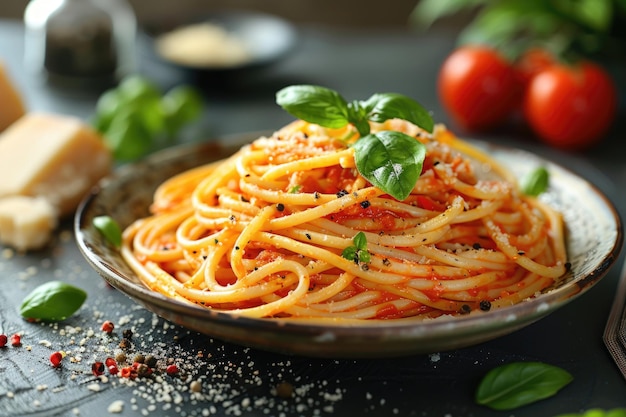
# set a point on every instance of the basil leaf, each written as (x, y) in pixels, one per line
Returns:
(426, 12)
(595, 14)
(358, 117)
(535, 182)
(360, 241)
(519, 383)
(382, 107)
(502, 25)
(364, 256)
(391, 161)
(52, 301)
(109, 229)
(349, 253)
(314, 104)
(595, 412)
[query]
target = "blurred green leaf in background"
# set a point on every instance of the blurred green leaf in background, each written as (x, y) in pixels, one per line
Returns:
(569, 29)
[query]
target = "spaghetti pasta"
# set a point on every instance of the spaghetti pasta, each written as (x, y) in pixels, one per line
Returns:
(264, 233)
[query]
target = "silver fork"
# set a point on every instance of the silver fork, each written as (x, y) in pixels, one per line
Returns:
(615, 330)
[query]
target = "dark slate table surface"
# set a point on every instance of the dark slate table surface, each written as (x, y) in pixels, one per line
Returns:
(236, 380)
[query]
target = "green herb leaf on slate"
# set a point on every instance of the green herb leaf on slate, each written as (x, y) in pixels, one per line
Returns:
(519, 383)
(596, 412)
(52, 301)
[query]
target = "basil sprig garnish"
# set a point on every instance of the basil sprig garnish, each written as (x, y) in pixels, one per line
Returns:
(52, 301)
(358, 251)
(519, 383)
(390, 160)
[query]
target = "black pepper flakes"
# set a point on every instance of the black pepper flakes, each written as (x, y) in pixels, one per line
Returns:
(365, 204)
(485, 305)
(465, 309)
(308, 236)
(151, 361)
(341, 193)
(477, 246)
(280, 207)
(124, 343)
(127, 334)
(143, 370)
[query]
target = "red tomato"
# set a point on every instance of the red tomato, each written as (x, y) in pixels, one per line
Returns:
(533, 61)
(478, 87)
(571, 107)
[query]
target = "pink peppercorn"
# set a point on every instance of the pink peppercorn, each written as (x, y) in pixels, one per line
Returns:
(108, 326)
(3, 340)
(16, 340)
(97, 368)
(129, 372)
(55, 359)
(171, 369)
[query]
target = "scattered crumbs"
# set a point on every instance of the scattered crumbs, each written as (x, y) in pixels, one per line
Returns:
(213, 378)
(116, 407)
(10, 394)
(41, 387)
(8, 253)
(435, 357)
(124, 320)
(95, 387)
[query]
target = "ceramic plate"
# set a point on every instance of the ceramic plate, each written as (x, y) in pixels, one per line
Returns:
(594, 240)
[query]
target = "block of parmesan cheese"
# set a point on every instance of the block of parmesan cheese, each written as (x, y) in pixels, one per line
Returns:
(52, 156)
(11, 103)
(26, 223)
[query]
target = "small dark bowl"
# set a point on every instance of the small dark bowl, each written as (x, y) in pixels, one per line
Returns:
(266, 37)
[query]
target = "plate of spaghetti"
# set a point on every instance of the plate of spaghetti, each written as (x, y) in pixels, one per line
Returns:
(276, 241)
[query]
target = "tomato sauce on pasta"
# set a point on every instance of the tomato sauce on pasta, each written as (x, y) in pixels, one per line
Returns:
(262, 233)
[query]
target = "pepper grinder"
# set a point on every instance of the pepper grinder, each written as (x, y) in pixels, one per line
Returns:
(80, 42)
